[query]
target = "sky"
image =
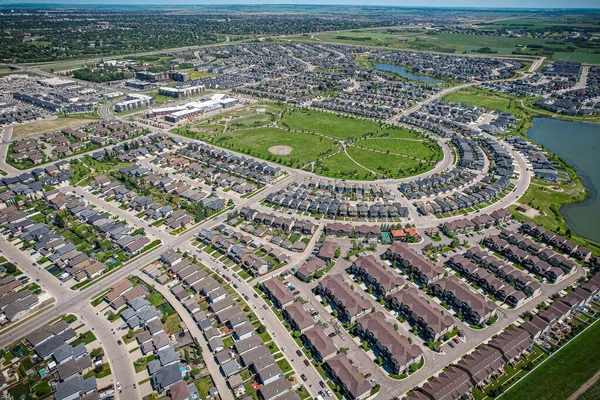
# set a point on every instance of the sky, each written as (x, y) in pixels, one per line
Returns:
(543, 4)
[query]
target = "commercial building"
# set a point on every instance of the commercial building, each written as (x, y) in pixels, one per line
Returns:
(181, 92)
(133, 102)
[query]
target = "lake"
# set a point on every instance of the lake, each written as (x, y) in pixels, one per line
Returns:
(400, 70)
(578, 143)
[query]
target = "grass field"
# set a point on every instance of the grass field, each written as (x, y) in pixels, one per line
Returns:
(327, 124)
(398, 133)
(39, 127)
(592, 393)
(564, 373)
(479, 98)
(386, 164)
(341, 167)
(418, 149)
(252, 120)
(241, 135)
(463, 43)
(256, 142)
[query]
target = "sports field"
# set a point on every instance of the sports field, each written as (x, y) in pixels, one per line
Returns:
(314, 141)
(256, 142)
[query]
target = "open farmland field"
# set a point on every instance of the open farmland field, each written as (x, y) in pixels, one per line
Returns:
(564, 373)
(39, 127)
(327, 124)
(464, 43)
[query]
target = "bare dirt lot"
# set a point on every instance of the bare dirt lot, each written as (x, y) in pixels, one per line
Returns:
(280, 150)
(39, 127)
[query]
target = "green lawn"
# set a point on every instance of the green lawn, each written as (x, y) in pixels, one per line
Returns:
(203, 386)
(563, 373)
(104, 372)
(327, 124)
(387, 164)
(156, 299)
(476, 97)
(340, 166)
(85, 338)
(423, 150)
(227, 342)
(593, 392)
(42, 389)
(256, 142)
(284, 365)
(173, 324)
(252, 120)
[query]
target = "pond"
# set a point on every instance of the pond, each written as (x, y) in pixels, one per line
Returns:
(400, 70)
(578, 143)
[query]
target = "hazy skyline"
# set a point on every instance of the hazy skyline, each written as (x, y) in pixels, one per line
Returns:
(547, 4)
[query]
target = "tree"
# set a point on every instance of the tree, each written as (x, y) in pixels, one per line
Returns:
(261, 329)
(10, 268)
(59, 221)
(344, 350)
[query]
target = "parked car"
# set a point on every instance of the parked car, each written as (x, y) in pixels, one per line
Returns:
(255, 295)
(455, 340)
(306, 362)
(299, 353)
(367, 376)
(297, 292)
(332, 334)
(322, 384)
(329, 394)
(304, 378)
(451, 344)
(265, 307)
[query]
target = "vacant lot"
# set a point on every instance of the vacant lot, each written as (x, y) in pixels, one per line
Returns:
(39, 127)
(564, 373)
(327, 124)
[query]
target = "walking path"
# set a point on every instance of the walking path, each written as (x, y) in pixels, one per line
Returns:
(585, 387)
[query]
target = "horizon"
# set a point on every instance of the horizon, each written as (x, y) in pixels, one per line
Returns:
(552, 5)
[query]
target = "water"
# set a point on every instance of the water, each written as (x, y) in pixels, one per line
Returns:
(400, 70)
(578, 143)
